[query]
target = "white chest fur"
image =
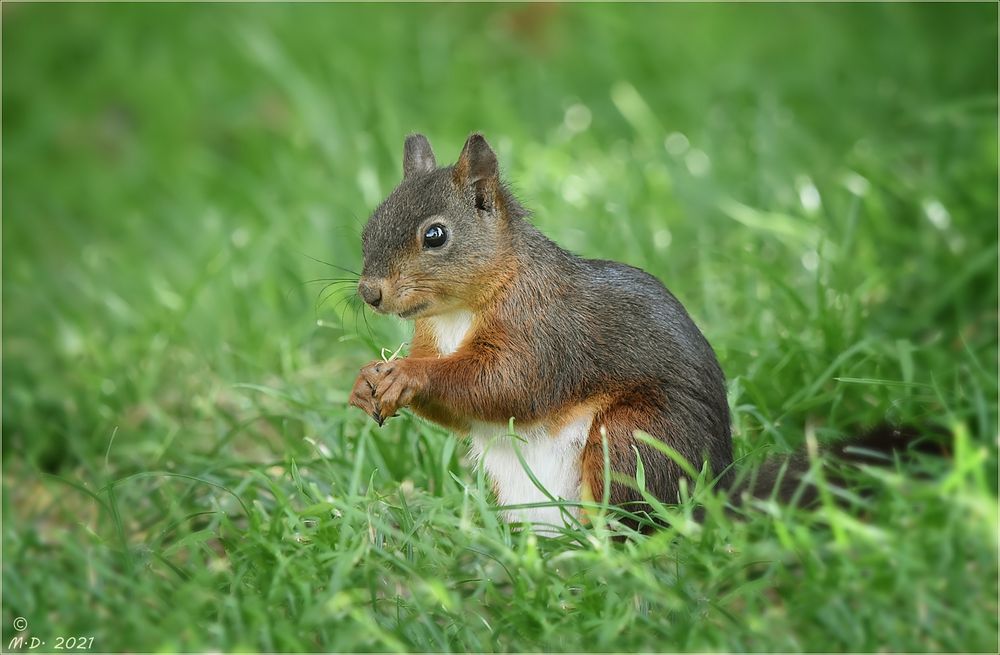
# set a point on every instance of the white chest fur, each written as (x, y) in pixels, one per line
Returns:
(553, 458)
(450, 330)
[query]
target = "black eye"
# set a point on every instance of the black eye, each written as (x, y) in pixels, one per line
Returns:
(435, 236)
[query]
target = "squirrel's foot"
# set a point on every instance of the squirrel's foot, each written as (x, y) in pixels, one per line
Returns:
(363, 393)
(384, 387)
(401, 380)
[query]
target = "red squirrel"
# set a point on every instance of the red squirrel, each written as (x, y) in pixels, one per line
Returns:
(507, 324)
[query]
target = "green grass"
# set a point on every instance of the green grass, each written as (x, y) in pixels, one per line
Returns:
(817, 183)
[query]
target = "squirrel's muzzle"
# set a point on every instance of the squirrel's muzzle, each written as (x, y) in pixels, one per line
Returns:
(370, 291)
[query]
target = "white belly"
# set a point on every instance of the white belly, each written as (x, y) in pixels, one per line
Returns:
(554, 460)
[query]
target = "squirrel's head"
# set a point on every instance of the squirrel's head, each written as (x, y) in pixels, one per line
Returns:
(441, 237)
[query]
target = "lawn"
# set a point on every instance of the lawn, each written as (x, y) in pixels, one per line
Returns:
(182, 185)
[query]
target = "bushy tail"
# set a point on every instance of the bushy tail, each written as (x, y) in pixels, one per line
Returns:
(785, 478)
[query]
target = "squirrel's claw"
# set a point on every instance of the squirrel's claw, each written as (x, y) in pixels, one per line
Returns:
(381, 389)
(363, 397)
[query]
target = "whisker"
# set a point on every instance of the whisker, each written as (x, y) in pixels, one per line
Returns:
(343, 305)
(364, 315)
(346, 300)
(320, 261)
(356, 310)
(334, 280)
(328, 296)
(343, 313)
(336, 288)
(438, 292)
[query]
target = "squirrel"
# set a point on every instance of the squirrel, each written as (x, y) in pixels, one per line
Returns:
(507, 324)
(578, 352)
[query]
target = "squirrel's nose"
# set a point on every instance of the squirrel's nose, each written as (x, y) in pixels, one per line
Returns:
(371, 292)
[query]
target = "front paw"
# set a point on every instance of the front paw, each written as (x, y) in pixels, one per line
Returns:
(363, 393)
(382, 388)
(401, 381)
(363, 397)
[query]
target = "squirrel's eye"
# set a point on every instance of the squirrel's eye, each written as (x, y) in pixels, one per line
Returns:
(435, 236)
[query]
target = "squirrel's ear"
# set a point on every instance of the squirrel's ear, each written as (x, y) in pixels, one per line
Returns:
(417, 156)
(477, 161)
(477, 168)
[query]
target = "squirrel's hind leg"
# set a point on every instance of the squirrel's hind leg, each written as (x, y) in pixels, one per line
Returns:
(617, 424)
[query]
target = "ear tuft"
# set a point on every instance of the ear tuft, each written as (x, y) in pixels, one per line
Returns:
(418, 158)
(477, 162)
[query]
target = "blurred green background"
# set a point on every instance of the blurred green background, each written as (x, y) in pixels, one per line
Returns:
(817, 183)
